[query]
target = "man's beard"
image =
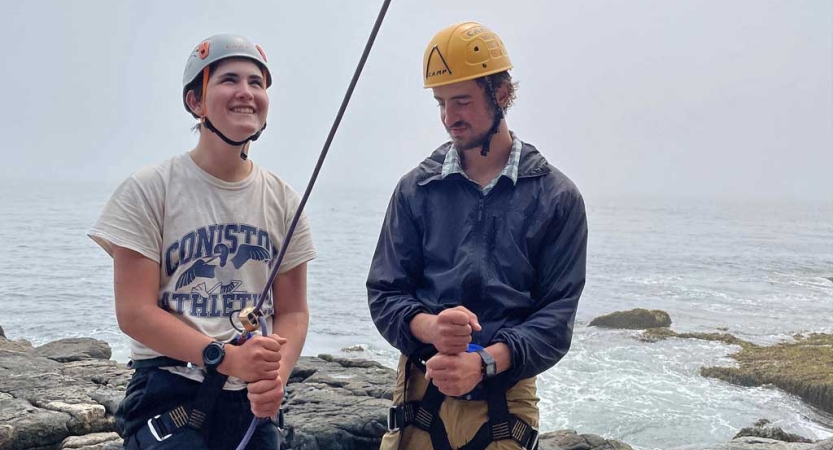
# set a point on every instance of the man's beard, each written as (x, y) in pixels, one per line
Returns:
(472, 143)
(475, 142)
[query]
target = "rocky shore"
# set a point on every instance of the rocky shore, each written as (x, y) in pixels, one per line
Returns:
(802, 367)
(63, 395)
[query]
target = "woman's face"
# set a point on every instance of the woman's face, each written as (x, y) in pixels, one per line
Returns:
(236, 101)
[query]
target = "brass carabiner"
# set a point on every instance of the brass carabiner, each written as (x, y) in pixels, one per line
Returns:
(249, 319)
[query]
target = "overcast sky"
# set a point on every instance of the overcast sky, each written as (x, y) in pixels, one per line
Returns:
(715, 98)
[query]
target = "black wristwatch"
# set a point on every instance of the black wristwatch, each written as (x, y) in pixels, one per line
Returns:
(213, 354)
(489, 366)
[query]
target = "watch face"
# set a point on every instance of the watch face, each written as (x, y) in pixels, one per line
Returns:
(490, 369)
(489, 364)
(213, 354)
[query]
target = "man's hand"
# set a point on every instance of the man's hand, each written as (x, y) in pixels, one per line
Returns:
(456, 374)
(257, 359)
(266, 396)
(451, 330)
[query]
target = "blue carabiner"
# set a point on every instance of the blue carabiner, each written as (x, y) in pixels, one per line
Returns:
(473, 348)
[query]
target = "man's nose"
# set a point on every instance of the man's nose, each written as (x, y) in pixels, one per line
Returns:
(449, 117)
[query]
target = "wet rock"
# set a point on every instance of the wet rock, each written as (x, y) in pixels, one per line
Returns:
(74, 349)
(826, 444)
(658, 334)
(18, 346)
(94, 441)
(801, 368)
(759, 443)
(43, 401)
(335, 403)
(764, 430)
(353, 349)
(635, 319)
(24, 426)
(570, 440)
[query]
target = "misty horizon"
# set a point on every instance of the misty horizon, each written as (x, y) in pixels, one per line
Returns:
(673, 99)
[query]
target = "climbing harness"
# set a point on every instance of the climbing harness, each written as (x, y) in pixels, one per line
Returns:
(425, 414)
(193, 414)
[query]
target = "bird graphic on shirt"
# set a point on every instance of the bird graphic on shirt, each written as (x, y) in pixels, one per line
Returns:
(222, 270)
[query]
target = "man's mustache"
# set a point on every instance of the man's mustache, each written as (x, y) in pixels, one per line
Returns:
(457, 124)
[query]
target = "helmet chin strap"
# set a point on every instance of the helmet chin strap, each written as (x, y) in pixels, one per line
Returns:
(484, 151)
(490, 92)
(243, 151)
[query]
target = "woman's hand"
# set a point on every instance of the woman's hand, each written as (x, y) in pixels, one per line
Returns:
(257, 359)
(266, 396)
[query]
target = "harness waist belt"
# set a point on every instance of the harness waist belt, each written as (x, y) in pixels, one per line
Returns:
(425, 414)
(162, 361)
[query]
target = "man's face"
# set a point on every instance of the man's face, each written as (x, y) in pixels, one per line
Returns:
(466, 113)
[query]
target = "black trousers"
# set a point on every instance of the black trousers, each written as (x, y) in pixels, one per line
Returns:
(154, 391)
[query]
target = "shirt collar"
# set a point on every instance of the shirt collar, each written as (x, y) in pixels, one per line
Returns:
(452, 165)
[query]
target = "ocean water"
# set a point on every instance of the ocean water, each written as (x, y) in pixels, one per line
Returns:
(758, 269)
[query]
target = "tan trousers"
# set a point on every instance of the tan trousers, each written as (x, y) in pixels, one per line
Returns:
(462, 418)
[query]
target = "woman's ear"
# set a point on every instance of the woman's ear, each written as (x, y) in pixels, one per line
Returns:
(194, 103)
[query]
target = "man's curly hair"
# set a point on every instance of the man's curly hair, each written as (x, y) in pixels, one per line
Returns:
(497, 80)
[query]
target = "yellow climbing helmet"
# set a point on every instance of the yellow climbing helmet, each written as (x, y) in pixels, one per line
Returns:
(461, 52)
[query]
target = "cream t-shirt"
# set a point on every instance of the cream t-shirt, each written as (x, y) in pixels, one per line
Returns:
(215, 242)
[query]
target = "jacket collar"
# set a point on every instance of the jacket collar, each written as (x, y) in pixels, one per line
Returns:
(531, 164)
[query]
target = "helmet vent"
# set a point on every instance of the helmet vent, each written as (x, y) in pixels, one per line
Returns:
(203, 49)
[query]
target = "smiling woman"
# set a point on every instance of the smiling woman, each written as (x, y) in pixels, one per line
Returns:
(238, 102)
(246, 79)
(215, 218)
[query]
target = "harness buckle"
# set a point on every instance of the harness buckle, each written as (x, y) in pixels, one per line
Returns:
(392, 425)
(532, 442)
(153, 429)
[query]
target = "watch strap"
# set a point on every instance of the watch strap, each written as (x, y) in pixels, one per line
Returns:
(488, 366)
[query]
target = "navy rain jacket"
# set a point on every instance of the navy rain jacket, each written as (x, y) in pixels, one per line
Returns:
(515, 257)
